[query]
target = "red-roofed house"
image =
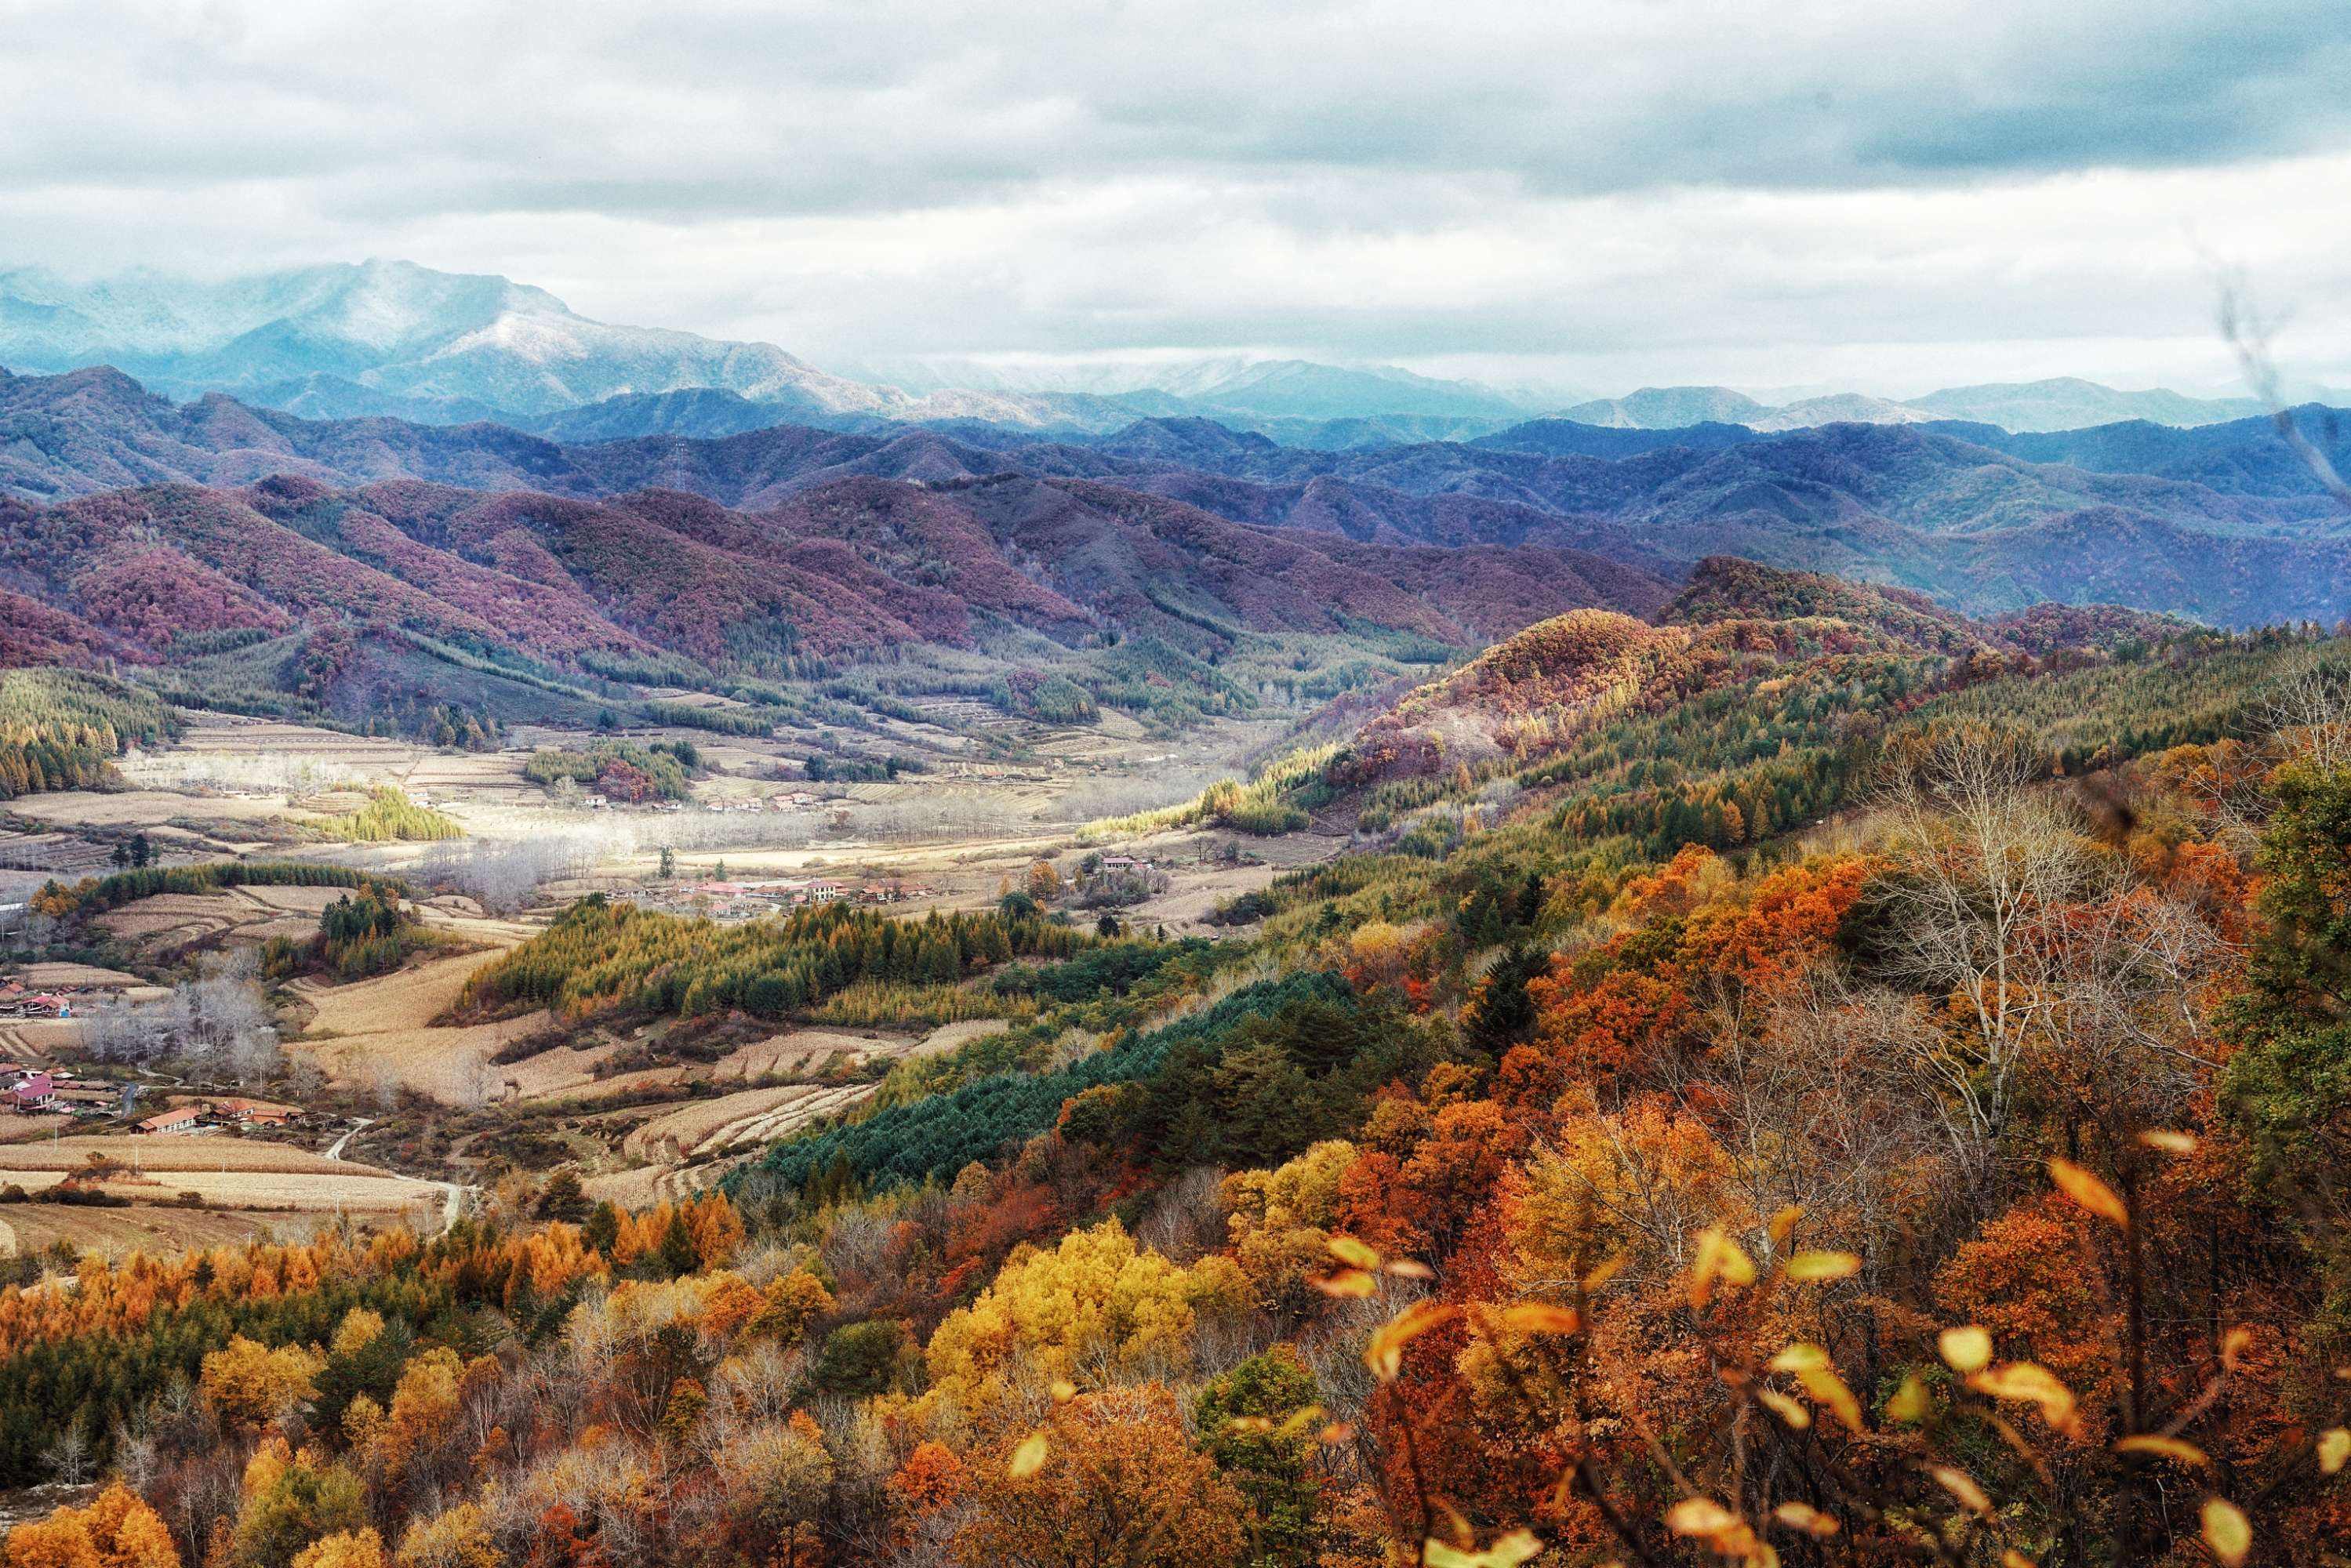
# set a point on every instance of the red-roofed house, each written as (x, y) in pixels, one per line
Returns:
(32, 1091)
(254, 1113)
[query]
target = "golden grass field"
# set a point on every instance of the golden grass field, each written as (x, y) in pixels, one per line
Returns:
(377, 1033)
(115, 1232)
(749, 1116)
(246, 1185)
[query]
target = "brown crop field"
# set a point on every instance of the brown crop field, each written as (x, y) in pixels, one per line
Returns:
(243, 1185)
(143, 1228)
(748, 1116)
(167, 1153)
(380, 1031)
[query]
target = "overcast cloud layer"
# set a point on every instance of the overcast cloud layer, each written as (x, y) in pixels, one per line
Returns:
(1609, 192)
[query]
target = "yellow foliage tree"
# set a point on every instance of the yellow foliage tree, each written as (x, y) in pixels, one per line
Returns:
(422, 1405)
(117, 1530)
(1278, 1221)
(455, 1538)
(1094, 1303)
(356, 1331)
(344, 1549)
(249, 1386)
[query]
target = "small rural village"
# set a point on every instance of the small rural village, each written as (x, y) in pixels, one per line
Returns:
(351, 1093)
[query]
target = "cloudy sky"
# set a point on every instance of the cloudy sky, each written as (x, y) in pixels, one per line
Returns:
(1599, 193)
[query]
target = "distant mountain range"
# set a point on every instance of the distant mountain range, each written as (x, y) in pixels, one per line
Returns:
(393, 339)
(2221, 523)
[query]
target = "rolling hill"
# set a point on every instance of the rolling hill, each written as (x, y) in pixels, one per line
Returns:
(2220, 523)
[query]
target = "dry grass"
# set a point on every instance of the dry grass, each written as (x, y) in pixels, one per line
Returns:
(379, 1031)
(117, 1232)
(235, 1177)
(77, 976)
(751, 1115)
(169, 1153)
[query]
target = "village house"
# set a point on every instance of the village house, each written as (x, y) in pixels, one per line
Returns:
(31, 1092)
(96, 1099)
(253, 1114)
(216, 1115)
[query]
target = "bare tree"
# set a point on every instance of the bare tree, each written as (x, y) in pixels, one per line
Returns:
(2310, 716)
(1985, 859)
(69, 1458)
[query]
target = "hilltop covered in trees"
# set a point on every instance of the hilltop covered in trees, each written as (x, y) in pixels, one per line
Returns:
(62, 729)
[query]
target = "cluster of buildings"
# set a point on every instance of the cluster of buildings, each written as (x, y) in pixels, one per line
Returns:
(797, 800)
(749, 898)
(32, 1091)
(17, 1001)
(203, 1117)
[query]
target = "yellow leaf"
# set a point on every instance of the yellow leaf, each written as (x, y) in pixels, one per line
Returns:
(2088, 1191)
(1962, 1486)
(1827, 1388)
(1823, 1265)
(1353, 1253)
(1305, 1416)
(1806, 1518)
(1347, 1282)
(1502, 1552)
(1540, 1317)
(1787, 1410)
(2226, 1531)
(1965, 1349)
(1909, 1404)
(2028, 1384)
(1337, 1432)
(1384, 1353)
(2165, 1448)
(2170, 1143)
(1783, 1224)
(2233, 1345)
(2334, 1450)
(1030, 1457)
(1249, 1426)
(1719, 1260)
(1410, 1268)
(1799, 1357)
(2013, 1558)
(1063, 1391)
(1603, 1271)
(1700, 1516)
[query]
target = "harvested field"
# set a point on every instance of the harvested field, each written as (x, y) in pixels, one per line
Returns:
(152, 1153)
(271, 754)
(377, 1033)
(170, 923)
(805, 1050)
(151, 809)
(75, 977)
(649, 1185)
(27, 1129)
(732, 1121)
(227, 1173)
(143, 1228)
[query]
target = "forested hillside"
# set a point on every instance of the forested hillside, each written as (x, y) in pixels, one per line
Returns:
(2223, 523)
(1933, 1168)
(62, 729)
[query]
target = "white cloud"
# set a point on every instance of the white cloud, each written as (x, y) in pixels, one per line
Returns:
(1615, 191)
